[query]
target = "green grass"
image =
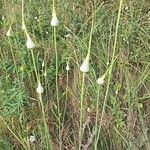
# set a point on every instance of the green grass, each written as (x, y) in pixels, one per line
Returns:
(74, 112)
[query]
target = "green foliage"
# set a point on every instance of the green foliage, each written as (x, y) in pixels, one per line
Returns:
(53, 120)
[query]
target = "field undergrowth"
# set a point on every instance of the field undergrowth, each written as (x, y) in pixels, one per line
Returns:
(75, 75)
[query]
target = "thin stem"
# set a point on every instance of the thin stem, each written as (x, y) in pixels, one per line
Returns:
(81, 110)
(23, 21)
(45, 124)
(65, 104)
(82, 87)
(96, 120)
(57, 89)
(110, 70)
(35, 68)
(54, 11)
(22, 10)
(90, 40)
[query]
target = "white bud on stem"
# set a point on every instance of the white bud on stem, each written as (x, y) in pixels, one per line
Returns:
(29, 43)
(100, 80)
(67, 67)
(85, 65)
(40, 89)
(32, 139)
(54, 20)
(9, 31)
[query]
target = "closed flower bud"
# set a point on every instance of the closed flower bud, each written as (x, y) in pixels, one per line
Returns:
(67, 67)
(54, 21)
(9, 32)
(85, 66)
(45, 74)
(100, 80)
(43, 64)
(32, 139)
(40, 89)
(30, 44)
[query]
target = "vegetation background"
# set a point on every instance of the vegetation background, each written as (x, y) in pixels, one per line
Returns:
(115, 115)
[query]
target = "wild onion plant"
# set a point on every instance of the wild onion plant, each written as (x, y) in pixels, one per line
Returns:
(48, 100)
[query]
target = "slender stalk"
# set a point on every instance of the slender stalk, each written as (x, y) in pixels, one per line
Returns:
(90, 39)
(57, 89)
(23, 21)
(96, 116)
(41, 103)
(110, 70)
(54, 6)
(22, 11)
(81, 110)
(82, 86)
(66, 99)
(34, 65)
(48, 144)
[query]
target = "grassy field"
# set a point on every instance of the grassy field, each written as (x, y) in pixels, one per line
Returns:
(75, 75)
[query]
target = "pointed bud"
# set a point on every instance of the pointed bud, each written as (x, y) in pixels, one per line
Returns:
(40, 89)
(30, 44)
(100, 80)
(85, 65)
(54, 20)
(9, 32)
(67, 67)
(45, 74)
(43, 64)
(32, 139)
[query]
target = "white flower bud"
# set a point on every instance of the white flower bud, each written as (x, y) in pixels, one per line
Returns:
(100, 80)
(68, 36)
(107, 63)
(30, 44)
(54, 21)
(40, 89)
(32, 138)
(85, 66)
(43, 64)
(9, 32)
(67, 67)
(45, 74)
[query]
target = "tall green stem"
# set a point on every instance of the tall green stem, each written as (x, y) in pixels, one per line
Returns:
(81, 110)
(48, 144)
(34, 65)
(110, 70)
(82, 86)
(96, 120)
(57, 89)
